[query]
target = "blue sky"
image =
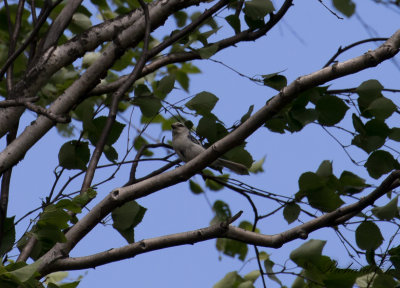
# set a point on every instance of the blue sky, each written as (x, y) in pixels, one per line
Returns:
(308, 36)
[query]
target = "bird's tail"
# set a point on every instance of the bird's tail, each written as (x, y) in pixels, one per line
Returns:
(233, 166)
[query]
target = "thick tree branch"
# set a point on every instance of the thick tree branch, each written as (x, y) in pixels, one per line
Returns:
(121, 195)
(218, 231)
(128, 37)
(54, 58)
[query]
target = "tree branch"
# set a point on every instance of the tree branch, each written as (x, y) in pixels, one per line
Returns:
(5, 188)
(226, 231)
(116, 98)
(341, 50)
(121, 195)
(123, 29)
(144, 246)
(247, 35)
(60, 23)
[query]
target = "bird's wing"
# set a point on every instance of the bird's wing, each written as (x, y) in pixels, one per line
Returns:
(194, 140)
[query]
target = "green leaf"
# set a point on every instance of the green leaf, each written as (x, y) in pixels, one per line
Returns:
(195, 188)
(74, 155)
(256, 167)
(79, 23)
(8, 239)
(302, 115)
(309, 252)
(222, 212)
(291, 212)
(368, 143)
(368, 236)
(202, 103)
(310, 181)
(381, 108)
(324, 199)
(252, 276)
(55, 277)
(124, 61)
(48, 233)
(246, 225)
(384, 281)
(89, 58)
(232, 279)
(149, 105)
(69, 205)
(25, 273)
(299, 283)
(351, 183)
(358, 124)
(394, 134)
(247, 115)
(258, 9)
(331, 110)
(208, 51)
(232, 248)
(54, 216)
(395, 256)
(183, 80)
(254, 24)
(240, 155)
(208, 128)
(377, 127)
(69, 285)
(188, 67)
(166, 84)
(368, 91)
(234, 21)
(214, 186)
(96, 127)
(276, 125)
(180, 18)
(347, 7)
(127, 217)
(102, 4)
(275, 81)
(387, 212)
(325, 169)
(380, 162)
(268, 264)
(110, 153)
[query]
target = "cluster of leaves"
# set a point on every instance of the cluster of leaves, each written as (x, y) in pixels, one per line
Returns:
(318, 105)
(48, 230)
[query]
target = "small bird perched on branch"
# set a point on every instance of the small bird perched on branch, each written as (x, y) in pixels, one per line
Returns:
(187, 147)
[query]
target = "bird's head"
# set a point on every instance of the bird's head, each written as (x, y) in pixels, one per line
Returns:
(178, 128)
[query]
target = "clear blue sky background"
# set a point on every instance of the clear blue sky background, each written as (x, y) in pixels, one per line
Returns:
(302, 43)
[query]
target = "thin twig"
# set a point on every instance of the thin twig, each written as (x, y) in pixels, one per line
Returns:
(341, 50)
(116, 97)
(330, 10)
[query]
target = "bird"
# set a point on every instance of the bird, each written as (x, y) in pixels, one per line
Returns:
(188, 147)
